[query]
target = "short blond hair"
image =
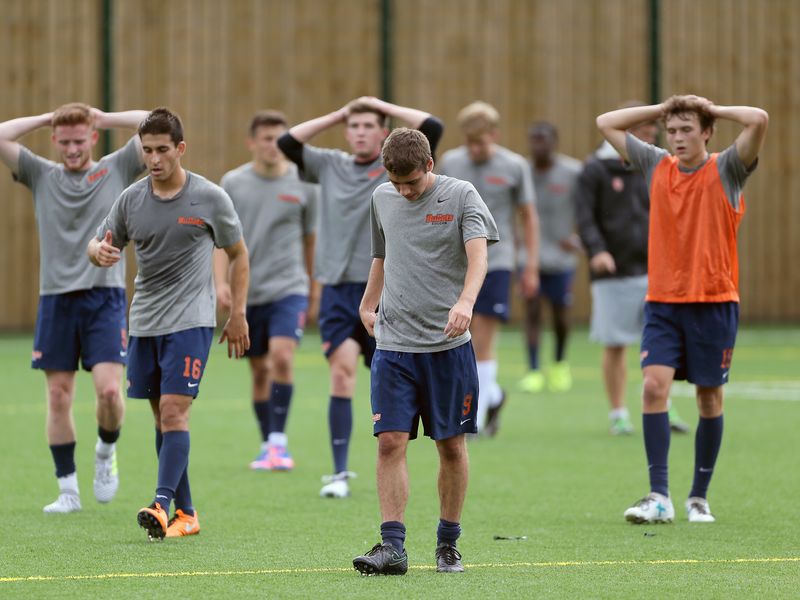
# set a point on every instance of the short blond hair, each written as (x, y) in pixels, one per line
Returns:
(478, 117)
(74, 113)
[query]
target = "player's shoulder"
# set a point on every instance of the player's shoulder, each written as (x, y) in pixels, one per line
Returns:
(236, 174)
(199, 185)
(454, 155)
(569, 163)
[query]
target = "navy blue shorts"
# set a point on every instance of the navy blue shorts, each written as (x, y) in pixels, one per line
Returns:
(696, 339)
(86, 324)
(339, 319)
(441, 388)
(168, 364)
(494, 295)
(557, 287)
(285, 317)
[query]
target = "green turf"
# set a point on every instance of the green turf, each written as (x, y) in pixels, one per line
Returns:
(553, 474)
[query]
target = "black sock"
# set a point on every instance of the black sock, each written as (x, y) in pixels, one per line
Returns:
(707, 441)
(448, 532)
(64, 458)
(262, 410)
(394, 533)
(108, 437)
(656, 445)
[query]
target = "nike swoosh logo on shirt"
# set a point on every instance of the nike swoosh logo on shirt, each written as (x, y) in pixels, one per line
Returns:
(465, 420)
(440, 200)
(193, 384)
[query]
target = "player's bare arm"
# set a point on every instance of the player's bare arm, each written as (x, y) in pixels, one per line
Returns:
(530, 233)
(103, 253)
(303, 132)
(368, 309)
(236, 331)
(755, 122)
(412, 116)
(221, 282)
(460, 315)
(128, 119)
(11, 131)
(615, 124)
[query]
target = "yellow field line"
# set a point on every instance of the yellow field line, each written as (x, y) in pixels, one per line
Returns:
(566, 563)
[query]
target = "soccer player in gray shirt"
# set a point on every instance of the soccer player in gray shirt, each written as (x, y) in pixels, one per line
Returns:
(174, 218)
(81, 314)
(554, 177)
(503, 180)
(429, 246)
(277, 211)
(342, 256)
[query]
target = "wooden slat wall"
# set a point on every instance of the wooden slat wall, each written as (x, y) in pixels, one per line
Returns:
(48, 56)
(748, 52)
(566, 61)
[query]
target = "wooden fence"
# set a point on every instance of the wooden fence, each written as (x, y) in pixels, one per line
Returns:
(566, 61)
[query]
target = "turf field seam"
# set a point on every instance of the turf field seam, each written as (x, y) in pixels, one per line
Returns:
(294, 571)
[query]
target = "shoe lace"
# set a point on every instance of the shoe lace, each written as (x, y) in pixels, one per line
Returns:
(374, 550)
(700, 507)
(344, 475)
(448, 553)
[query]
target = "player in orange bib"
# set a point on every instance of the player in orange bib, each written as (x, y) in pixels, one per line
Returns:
(692, 309)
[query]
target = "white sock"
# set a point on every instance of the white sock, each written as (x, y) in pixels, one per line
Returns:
(489, 390)
(103, 450)
(68, 484)
(265, 446)
(618, 413)
(276, 438)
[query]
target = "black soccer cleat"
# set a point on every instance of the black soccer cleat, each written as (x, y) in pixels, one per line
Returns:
(448, 559)
(383, 559)
(153, 519)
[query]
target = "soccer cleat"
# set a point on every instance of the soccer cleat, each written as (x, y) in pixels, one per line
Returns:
(182, 524)
(153, 518)
(653, 508)
(106, 477)
(336, 486)
(493, 416)
(448, 559)
(698, 511)
(676, 423)
(621, 426)
(559, 378)
(66, 502)
(383, 559)
(263, 461)
(532, 383)
(280, 459)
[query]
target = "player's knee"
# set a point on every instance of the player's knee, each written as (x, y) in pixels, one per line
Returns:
(59, 398)
(709, 402)
(281, 363)
(452, 450)
(173, 418)
(654, 390)
(390, 444)
(109, 394)
(342, 378)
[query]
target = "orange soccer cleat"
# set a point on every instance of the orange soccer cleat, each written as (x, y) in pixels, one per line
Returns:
(183, 524)
(153, 518)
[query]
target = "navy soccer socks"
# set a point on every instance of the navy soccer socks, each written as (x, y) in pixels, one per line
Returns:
(707, 442)
(340, 421)
(656, 444)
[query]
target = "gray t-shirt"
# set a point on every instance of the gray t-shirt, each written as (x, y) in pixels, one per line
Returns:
(276, 215)
(504, 183)
(68, 207)
(174, 240)
(425, 262)
(730, 167)
(342, 253)
(556, 207)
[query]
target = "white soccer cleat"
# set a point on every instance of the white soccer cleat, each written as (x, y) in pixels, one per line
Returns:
(66, 502)
(653, 508)
(336, 486)
(698, 511)
(106, 477)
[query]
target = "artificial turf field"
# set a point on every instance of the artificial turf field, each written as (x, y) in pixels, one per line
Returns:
(553, 475)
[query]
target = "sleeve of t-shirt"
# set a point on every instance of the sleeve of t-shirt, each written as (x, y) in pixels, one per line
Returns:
(314, 160)
(642, 155)
(476, 220)
(525, 190)
(31, 167)
(378, 241)
(432, 128)
(585, 195)
(292, 148)
(115, 222)
(733, 174)
(128, 160)
(225, 226)
(310, 213)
